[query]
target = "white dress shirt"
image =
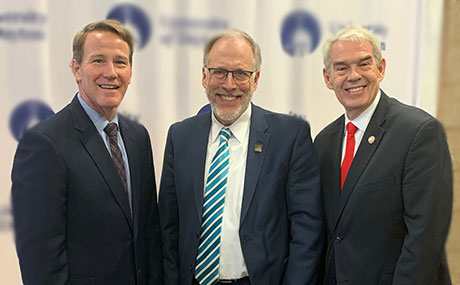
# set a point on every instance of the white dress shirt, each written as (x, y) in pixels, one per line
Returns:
(361, 123)
(231, 263)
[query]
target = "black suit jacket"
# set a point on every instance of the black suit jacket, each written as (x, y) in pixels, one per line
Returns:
(389, 223)
(281, 225)
(72, 218)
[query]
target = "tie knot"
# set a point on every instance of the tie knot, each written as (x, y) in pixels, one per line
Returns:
(111, 129)
(351, 129)
(225, 134)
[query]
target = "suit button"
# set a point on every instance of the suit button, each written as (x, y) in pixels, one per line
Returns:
(197, 234)
(338, 239)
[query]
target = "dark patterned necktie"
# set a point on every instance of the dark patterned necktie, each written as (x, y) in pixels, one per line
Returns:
(112, 131)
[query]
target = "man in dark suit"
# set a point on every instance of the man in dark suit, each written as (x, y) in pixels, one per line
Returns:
(268, 226)
(83, 194)
(387, 188)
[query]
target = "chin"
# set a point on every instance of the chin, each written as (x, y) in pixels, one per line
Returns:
(227, 117)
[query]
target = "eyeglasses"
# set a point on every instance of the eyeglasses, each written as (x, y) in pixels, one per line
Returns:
(240, 76)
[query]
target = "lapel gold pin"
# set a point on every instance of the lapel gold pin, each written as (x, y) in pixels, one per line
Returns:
(371, 139)
(258, 148)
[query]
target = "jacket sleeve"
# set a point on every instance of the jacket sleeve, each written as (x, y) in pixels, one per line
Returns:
(155, 261)
(169, 216)
(39, 200)
(427, 196)
(304, 203)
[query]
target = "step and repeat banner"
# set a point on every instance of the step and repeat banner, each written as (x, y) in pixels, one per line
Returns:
(36, 80)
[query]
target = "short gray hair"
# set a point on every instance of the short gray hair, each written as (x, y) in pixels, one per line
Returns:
(352, 34)
(234, 33)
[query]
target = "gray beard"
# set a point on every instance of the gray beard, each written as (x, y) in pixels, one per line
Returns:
(230, 118)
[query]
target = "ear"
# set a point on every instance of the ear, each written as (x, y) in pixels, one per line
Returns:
(130, 74)
(256, 80)
(381, 69)
(76, 70)
(204, 79)
(327, 79)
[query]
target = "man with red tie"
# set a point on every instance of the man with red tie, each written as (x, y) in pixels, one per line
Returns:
(386, 175)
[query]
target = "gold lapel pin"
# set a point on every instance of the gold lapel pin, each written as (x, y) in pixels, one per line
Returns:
(371, 139)
(258, 148)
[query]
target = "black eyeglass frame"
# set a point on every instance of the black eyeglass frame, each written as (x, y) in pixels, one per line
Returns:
(210, 69)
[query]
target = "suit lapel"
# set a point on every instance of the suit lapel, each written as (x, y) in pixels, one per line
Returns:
(198, 149)
(134, 171)
(257, 136)
(95, 147)
(364, 154)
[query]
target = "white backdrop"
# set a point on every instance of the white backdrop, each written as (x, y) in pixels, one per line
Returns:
(35, 52)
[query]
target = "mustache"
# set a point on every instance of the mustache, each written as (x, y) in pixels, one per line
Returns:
(227, 93)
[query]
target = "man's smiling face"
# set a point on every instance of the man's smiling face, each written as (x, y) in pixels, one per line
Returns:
(105, 72)
(354, 75)
(228, 98)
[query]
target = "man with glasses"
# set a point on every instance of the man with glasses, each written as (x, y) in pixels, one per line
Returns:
(240, 192)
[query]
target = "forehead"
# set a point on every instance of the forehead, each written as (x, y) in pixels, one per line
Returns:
(350, 50)
(231, 52)
(105, 42)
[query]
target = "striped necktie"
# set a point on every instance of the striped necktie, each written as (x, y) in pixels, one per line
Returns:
(112, 131)
(207, 262)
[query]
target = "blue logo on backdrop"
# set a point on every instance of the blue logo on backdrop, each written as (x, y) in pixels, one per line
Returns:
(135, 19)
(28, 114)
(300, 33)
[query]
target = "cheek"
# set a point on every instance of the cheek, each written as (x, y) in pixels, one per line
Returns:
(213, 86)
(127, 77)
(331, 82)
(338, 82)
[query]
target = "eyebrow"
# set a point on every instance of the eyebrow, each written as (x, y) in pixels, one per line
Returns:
(105, 56)
(337, 63)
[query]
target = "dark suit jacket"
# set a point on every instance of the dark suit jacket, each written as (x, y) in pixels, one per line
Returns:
(390, 222)
(281, 228)
(71, 215)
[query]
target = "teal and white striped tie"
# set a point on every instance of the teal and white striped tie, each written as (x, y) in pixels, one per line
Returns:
(207, 261)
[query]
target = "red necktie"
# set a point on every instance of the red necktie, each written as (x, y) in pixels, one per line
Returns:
(349, 152)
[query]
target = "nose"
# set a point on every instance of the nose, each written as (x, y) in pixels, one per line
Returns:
(229, 82)
(354, 75)
(109, 71)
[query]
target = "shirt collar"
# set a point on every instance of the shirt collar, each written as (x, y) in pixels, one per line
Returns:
(99, 121)
(239, 127)
(363, 120)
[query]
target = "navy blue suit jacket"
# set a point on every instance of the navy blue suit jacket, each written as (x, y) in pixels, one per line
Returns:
(389, 223)
(281, 227)
(72, 218)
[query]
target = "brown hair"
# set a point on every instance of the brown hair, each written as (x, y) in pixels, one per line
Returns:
(110, 25)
